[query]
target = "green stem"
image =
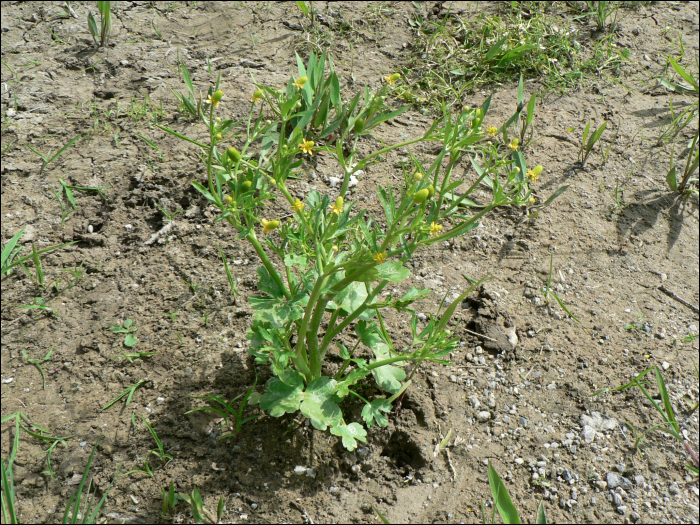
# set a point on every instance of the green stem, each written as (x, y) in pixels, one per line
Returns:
(268, 264)
(303, 328)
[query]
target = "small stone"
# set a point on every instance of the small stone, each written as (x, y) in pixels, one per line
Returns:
(475, 402)
(89, 228)
(665, 365)
(421, 316)
(310, 472)
(160, 400)
(552, 386)
(622, 510)
(524, 421)
(453, 378)
(519, 461)
(617, 499)
(362, 451)
(253, 506)
(639, 479)
(600, 484)
(673, 489)
(620, 468)
(299, 470)
(663, 277)
(8, 380)
(588, 434)
(483, 416)
(635, 517)
(356, 469)
(491, 400)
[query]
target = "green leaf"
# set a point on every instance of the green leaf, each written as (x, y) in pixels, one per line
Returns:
(9, 247)
(541, 517)
(130, 340)
(319, 405)
(350, 434)
(671, 179)
(414, 294)
(204, 191)
(373, 412)
(388, 377)
(267, 284)
(392, 271)
(351, 297)
(283, 397)
(505, 506)
(556, 194)
(292, 258)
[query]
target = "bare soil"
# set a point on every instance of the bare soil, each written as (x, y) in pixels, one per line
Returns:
(612, 252)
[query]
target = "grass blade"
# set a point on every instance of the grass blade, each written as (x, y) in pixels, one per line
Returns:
(64, 148)
(501, 498)
(7, 250)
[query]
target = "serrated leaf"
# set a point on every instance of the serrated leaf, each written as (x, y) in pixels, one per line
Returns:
(283, 397)
(373, 412)
(319, 405)
(350, 434)
(351, 379)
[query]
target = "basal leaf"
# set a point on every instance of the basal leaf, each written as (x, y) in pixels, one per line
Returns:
(350, 434)
(388, 377)
(373, 412)
(319, 405)
(283, 397)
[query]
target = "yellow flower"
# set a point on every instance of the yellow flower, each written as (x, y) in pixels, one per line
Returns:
(492, 130)
(435, 229)
(393, 78)
(534, 174)
(269, 226)
(299, 82)
(514, 144)
(298, 206)
(215, 98)
(379, 258)
(306, 146)
(256, 96)
(338, 207)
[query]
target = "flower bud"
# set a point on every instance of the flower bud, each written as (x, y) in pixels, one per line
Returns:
(217, 95)
(418, 176)
(420, 196)
(246, 185)
(431, 191)
(359, 125)
(218, 136)
(537, 170)
(233, 154)
(228, 200)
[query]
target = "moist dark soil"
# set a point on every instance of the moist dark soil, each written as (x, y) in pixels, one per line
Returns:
(518, 393)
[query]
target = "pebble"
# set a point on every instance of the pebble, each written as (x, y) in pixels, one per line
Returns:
(491, 400)
(475, 402)
(673, 489)
(615, 480)
(90, 228)
(362, 451)
(524, 421)
(421, 316)
(356, 469)
(253, 506)
(617, 499)
(639, 479)
(600, 484)
(8, 380)
(160, 400)
(588, 434)
(299, 470)
(519, 461)
(665, 365)
(453, 378)
(635, 517)
(483, 416)
(552, 386)
(622, 509)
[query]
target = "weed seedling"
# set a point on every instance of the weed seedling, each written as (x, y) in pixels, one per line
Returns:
(160, 453)
(78, 509)
(38, 362)
(231, 280)
(198, 510)
(38, 304)
(226, 411)
(134, 355)
(47, 160)
(587, 145)
(670, 424)
(503, 504)
(547, 291)
(128, 393)
(105, 23)
(68, 189)
(10, 259)
(129, 339)
(170, 501)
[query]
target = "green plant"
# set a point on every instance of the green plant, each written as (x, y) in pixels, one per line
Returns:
(129, 339)
(670, 424)
(9, 512)
(9, 258)
(105, 23)
(128, 393)
(688, 85)
(187, 103)
(79, 511)
(160, 453)
(38, 362)
(68, 190)
(690, 167)
(226, 411)
(170, 500)
(197, 506)
(587, 142)
(547, 291)
(601, 11)
(231, 280)
(134, 355)
(169, 217)
(335, 261)
(504, 505)
(48, 160)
